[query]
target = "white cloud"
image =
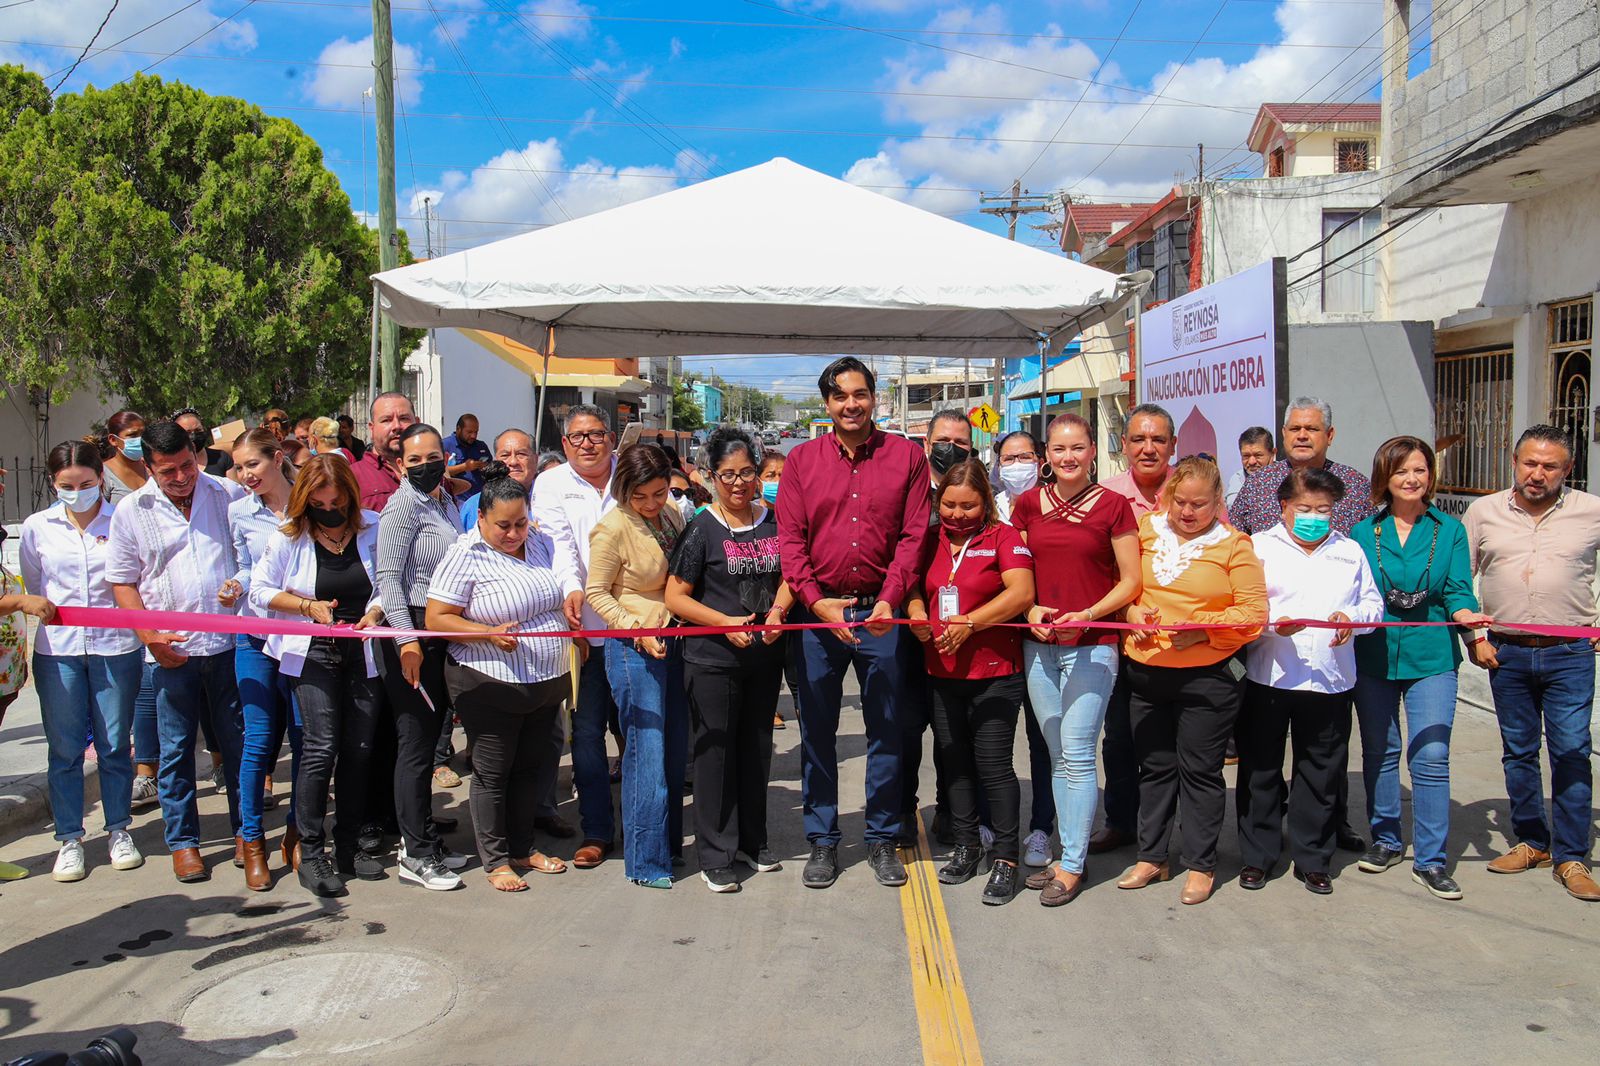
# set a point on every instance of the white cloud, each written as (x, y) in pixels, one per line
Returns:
(345, 69)
(558, 18)
(677, 47)
(622, 81)
(70, 23)
(1021, 126)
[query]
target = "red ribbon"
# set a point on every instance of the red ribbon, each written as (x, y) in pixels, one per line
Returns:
(183, 622)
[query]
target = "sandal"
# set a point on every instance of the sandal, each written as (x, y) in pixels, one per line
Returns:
(539, 863)
(503, 879)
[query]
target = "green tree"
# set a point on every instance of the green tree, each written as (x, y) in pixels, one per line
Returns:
(20, 91)
(177, 249)
(686, 413)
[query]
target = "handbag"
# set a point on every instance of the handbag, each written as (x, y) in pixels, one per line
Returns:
(1396, 599)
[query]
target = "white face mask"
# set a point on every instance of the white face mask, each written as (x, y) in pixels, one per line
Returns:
(1019, 477)
(79, 500)
(686, 506)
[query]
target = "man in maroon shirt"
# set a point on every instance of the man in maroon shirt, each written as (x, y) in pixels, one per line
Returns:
(852, 531)
(378, 469)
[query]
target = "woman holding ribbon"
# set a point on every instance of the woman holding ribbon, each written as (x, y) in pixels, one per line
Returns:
(1183, 687)
(628, 553)
(725, 571)
(981, 574)
(1420, 558)
(1085, 548)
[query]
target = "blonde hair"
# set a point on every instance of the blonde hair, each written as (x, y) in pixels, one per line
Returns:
(1193, 468)
(326, 432)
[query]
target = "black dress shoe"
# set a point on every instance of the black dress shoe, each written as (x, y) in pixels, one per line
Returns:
(317, 874)
(373, 840)
(1438, 882)
(886, 865)
(1349, 840)
(822, 869)
(1002, 884)
(1252, 877)
(1379, 858)
(943, 831)
(1316, 881)
(962, 865)
(359, 864)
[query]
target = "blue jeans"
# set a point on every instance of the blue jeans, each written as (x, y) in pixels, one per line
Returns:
(205, 685)
(654, 712)
(77, 694)
(821, 660)
(146, 737)
(1549, 691)
(268, 708)
(1069, 688)
(591, 774)
(1430, 704)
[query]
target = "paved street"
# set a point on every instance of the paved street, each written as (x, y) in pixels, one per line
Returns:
(587, 968)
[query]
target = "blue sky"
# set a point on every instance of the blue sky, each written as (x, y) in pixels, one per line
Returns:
(573, 106)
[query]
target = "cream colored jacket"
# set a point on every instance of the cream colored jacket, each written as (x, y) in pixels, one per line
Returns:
(628, 570)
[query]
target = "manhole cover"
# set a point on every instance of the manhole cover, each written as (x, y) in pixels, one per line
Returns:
(320, 1005)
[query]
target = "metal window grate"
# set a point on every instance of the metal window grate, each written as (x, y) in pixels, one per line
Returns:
(1351, 157)
(1472, 420)
(1571, 355)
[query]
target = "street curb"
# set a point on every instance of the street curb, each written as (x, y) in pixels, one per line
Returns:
(25, 801)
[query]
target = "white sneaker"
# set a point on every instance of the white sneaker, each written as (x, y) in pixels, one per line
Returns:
(69, 862)
(449, 859)
(144, 793)
(1036, 849)
(986, 837)
(430, 873)
(124, 854)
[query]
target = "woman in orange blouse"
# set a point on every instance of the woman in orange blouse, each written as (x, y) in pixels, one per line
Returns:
(1185, 687)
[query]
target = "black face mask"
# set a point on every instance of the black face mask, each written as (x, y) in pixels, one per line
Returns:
(201, 439)
(945, 455)
(326, 517)
(425, 477)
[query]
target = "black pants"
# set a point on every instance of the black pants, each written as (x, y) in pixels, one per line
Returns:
(1120, 762)
(416, 727)
(515, 751)
(447, 731)
(916, 714)
(1319, 723)
(1042, 802)
(730, 723)
(1182, 718)
(339, 707)
(975, 728)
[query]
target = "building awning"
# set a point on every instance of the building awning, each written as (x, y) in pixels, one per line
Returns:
(1551, 151)
(608, 382)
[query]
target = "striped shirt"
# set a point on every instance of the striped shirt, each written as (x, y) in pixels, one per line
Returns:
(414, 534)
(493, 588)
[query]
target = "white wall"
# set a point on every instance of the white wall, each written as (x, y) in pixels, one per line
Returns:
(467, 378)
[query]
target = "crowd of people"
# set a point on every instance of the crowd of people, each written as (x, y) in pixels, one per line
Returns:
(521, 590)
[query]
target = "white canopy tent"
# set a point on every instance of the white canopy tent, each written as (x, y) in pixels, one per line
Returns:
(776, 260)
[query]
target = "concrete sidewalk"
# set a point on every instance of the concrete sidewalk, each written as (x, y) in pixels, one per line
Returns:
(24, 794)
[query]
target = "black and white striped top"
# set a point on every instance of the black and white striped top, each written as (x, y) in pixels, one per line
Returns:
(414, 534)
(493, 588)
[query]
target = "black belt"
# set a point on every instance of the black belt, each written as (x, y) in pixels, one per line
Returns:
(1530, 640)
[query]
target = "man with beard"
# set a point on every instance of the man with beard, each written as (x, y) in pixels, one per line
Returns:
(378, 471)
(217, 462)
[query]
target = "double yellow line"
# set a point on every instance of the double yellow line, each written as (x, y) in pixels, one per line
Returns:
(943, 1014)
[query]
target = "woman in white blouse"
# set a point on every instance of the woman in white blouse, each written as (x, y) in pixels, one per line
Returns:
(87, 678)
(498, 579)
(1299, 683)
(321, 566)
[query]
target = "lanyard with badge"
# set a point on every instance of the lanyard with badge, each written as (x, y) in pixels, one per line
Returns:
(949, 594)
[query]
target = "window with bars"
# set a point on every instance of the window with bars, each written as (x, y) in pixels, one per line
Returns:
(1352, 157)
(1472, 420)
(1570, 347)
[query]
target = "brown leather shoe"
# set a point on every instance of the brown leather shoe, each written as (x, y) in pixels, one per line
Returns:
(1062, 889)
(238, 852)
(188, 867)
(1520, 858)
(291, 846)
(1574, 876)
(1197, 887)
(591, 854)
(1039, 879)
(1108, 839)
(256, 876)
(1141, 874)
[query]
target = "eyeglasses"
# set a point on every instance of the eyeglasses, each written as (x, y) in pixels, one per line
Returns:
(594, 436)
(737, 477)
(1020, 457)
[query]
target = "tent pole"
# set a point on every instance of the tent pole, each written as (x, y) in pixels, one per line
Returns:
(372, 365)
(544, 389)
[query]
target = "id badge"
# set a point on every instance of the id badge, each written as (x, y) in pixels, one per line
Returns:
(949, 601)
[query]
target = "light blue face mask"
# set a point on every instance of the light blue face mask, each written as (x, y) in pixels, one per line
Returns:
(133, 448)
(1311, 528)
(769, 492)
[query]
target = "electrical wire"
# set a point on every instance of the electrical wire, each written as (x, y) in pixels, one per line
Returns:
(198, 37)
(138, 32)
(98, 30)
(1083, 95)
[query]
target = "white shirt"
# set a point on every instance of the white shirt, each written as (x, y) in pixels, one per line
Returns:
(68, 568)
(567, 508)
(1235, 483)
(1335, 577)
(291, 566)
(177, 565)
(493, 588)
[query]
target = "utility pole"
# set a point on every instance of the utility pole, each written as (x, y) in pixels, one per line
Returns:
(1011, 207)
(388, 240)
(1202, 149)
(427, 223)
(905, 387)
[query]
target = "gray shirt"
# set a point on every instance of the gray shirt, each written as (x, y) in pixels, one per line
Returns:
(413, 535)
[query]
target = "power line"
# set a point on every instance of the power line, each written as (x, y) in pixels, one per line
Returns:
(1083, 95)
(110, 11)
(200, 36)
(138, 32)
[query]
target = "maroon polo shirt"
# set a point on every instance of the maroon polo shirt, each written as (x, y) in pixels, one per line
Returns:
(376, 480)
(854, 525)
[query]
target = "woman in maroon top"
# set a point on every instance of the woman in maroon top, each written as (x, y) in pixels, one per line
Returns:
(1087, 544)
(980, 574)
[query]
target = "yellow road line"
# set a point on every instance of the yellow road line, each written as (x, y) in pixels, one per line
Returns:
(943, 1014)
